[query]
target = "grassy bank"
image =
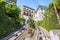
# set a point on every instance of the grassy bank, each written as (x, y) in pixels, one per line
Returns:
(6, 26)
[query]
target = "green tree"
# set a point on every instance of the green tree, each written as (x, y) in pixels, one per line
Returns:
(31, 23)
(12, 11)
(10, 18)
(55, 5)
(2, 6)
(14, 14)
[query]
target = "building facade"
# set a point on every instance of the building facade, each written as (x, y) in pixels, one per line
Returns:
(11, 1)
(28, 12)
(39, 14)
(55, 35)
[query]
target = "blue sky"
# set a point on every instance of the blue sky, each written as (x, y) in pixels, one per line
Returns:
(33, 3)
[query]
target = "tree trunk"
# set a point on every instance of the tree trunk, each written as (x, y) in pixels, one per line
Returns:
(56, 11)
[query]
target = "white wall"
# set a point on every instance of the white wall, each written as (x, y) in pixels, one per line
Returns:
(39, 15)
(26, 17)
(29, 11)
(53, 36)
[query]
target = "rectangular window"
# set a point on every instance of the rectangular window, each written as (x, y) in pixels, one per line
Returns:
(41, 9)
(44, 8)
(42, 13)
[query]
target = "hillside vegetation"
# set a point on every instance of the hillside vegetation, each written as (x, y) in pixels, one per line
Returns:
(50, 21)
(10, 19)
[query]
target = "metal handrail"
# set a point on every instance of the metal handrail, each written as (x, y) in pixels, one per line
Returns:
(20, 35)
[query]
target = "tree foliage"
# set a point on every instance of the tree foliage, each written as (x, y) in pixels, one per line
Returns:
(31, 23)
(10, 18)
(12, 11)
